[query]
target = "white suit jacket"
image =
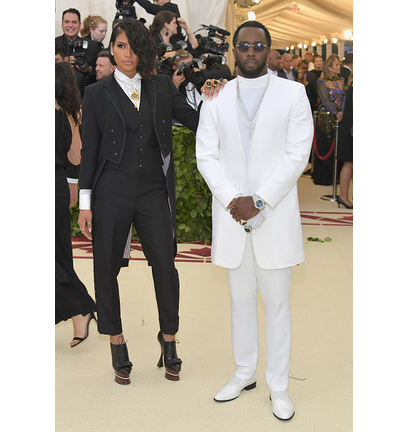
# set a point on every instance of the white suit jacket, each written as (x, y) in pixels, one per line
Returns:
(279, 153)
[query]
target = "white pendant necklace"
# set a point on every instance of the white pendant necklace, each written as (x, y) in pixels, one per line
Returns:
(250, 127)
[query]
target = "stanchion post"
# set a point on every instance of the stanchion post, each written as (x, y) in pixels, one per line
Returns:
(315, 116)
(333, 197)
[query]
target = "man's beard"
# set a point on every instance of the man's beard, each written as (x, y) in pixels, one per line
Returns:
(252, 73)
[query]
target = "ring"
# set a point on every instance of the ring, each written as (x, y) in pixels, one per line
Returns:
(208, 84)
(242, 222)
(221, 80)
(215, 83)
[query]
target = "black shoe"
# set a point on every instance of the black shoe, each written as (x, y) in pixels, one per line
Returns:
(341, 201)
(170, 357)
(92, 316)
(121, 363)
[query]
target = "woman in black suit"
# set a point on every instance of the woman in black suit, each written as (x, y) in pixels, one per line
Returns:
(127, 177)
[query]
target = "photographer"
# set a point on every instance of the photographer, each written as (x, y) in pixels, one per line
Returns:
(189, 76)
(165, 25)
(163, 5)
(82, 52)
(186, 78)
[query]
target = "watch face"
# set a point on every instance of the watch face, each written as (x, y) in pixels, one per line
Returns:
(259, 203)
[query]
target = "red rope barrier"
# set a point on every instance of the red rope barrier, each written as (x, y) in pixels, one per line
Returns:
(323, 158)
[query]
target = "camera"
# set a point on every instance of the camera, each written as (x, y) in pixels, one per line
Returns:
(209, 45)
(164, 65)
(213, 61)
(77, 49)
(126, 9)
(187, 69)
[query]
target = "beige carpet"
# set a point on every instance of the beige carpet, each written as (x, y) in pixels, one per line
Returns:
(88, 399)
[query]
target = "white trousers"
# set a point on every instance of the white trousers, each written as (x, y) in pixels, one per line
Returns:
(274, 286)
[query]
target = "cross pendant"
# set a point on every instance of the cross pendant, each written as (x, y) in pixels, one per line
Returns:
(250, 127)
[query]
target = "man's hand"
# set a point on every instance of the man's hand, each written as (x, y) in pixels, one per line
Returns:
(212, 87)
(242, 208)
(85, 223)
(178, 79)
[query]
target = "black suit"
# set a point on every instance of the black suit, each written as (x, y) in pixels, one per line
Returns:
(345, 73)
(125, 154)
(281, 73)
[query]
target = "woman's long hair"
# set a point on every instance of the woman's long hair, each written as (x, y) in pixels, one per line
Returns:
(141, 43)
(326, 73)
(160, 19)
(67, 94)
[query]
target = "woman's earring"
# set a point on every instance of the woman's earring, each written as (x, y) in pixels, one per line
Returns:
(167, 33)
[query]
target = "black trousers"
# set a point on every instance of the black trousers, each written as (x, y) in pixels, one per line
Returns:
(118, 201)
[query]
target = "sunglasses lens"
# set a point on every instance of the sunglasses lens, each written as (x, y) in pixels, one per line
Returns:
(258, 46)
(243, 46)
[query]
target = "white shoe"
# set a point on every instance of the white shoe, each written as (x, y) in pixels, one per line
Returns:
(232, 389)
(283, 408)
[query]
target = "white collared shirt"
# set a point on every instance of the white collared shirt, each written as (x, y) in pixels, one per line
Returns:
(133, 83)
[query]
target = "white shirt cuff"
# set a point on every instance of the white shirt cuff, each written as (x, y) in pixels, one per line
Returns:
(85, 199)
(72, 180)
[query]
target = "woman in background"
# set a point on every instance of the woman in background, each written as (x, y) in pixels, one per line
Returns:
(94, 28)
(164, 26)
(331, 92)
(71, 297)
(345, 147)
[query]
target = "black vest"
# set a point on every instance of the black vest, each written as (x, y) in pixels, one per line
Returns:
(142, 152)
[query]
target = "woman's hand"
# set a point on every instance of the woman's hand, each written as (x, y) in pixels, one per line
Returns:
(212, 87)
(339, 116)
(85, 223)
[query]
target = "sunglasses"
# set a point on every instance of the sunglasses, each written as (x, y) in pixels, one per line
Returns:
(245, 46)
(180, 56)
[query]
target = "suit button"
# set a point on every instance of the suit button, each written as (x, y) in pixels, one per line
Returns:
(163, 121)
(114, 142)
(141, 125)
(140, 149)
(115, 154)
(163, 133)
(141, 137)
(112, 130)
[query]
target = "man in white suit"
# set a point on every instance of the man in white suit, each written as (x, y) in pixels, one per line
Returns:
(253, 143)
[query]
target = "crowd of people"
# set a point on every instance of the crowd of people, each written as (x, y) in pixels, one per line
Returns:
(144, 81)
(329, 84)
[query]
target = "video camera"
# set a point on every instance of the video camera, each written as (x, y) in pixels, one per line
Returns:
(126, 9)
(164, 64)
(213, 61)
(77, 49)
(209, 45)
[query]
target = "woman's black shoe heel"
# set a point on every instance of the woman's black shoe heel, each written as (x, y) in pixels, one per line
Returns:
(170, 358)
(341, 201)
(92, 316)
(121, 363)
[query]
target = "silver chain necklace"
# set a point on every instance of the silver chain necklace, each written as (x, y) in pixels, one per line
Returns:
(250, 119)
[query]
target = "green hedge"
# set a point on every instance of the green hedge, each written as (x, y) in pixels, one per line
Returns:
(193, 197)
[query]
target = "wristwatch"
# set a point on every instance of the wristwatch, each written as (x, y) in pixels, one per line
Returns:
(259, 203)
